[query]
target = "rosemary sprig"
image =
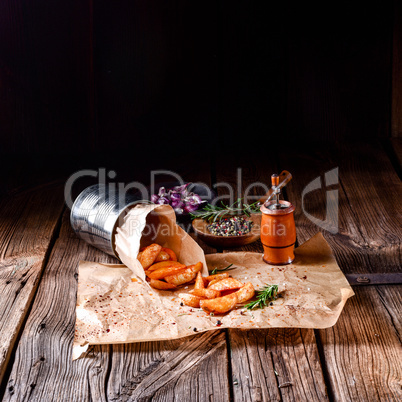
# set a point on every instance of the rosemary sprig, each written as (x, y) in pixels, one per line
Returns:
(265, 295)
(215, 270)
(214, 212)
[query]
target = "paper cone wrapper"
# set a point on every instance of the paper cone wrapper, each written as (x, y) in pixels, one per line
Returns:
(145, 224)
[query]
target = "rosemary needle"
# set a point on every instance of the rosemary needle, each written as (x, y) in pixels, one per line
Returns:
(228, 268)
(265, 295)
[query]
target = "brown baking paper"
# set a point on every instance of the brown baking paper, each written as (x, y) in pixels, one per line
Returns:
(111, 308)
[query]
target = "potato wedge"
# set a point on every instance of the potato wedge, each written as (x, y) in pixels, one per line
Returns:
(166, 272)
(190, 300)
(206, 293)
(245, 293)
(219, 305)
(199, 283)
(165, 264)
(149, 255)
(217, 276)
(184, 276)
(212, 282)
(162, 256)
(214, 278)
(172, 254)
(161, 285)
(226, 284)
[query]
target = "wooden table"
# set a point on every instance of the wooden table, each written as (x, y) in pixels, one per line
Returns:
(359, 359)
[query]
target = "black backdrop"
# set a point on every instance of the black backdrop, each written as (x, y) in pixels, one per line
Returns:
(92, 80)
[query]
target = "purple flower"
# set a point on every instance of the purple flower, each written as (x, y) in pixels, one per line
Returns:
(162, 192)
(179, 198)
(163, 201)
(181, 189)
(175, 200)
(192, 202)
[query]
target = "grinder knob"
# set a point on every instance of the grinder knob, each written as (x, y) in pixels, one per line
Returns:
(275, 180)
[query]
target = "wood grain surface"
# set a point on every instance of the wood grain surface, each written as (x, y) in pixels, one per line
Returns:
(362, 351)
(189, 369)
(357, 359)
(276, 364)
(43, 369)
(27, 232)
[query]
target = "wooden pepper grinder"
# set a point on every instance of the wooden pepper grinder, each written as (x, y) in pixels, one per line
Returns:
(278, 230)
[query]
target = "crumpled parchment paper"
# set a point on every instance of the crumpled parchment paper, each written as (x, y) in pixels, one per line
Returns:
(114, 308)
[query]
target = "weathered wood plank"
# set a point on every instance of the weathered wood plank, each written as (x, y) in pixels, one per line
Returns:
(28, 223)
(363, 350)
(276, 364)
(190, 369)
(273, 364)
(369, 229)
(43, 369)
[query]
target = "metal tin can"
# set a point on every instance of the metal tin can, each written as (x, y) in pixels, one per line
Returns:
(96, 213)
(278, 232)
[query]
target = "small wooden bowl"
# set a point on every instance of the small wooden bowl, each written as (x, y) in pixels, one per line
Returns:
(201, 230)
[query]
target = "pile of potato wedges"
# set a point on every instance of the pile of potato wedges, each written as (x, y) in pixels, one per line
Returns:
(215, 294)
(162, 269)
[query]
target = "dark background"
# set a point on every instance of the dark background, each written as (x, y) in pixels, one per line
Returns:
(84, 83)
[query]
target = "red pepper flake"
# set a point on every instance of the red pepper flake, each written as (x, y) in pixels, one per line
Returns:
(108, 330)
